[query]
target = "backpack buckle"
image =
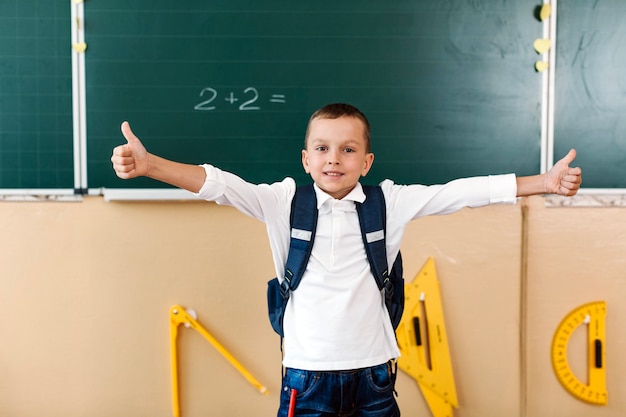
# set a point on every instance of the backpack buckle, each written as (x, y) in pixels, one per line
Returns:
(388, 287)
(284, 289)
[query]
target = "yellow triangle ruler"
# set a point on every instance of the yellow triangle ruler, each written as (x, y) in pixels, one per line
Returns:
(593, 316)
(423, 342)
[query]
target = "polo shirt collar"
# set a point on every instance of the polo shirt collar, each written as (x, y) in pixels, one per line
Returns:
(356, 195)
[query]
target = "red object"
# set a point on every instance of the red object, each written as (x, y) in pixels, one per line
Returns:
(292, 403)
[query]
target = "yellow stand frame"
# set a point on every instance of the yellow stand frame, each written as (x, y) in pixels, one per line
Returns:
(178, 316)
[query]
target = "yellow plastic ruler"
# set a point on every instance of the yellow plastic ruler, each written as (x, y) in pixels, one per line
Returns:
(593, 316)
(178, 316)
(423, 342)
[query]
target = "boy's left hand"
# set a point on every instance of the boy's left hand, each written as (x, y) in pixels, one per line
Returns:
(563, 180)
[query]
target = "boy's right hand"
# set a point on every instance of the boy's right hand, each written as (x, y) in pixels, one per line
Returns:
(130, 160)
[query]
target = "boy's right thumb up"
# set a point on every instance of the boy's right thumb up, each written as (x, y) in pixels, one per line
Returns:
(128, 133)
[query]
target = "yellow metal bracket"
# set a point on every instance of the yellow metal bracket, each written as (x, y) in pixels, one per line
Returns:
(178, 316)
(423, 342)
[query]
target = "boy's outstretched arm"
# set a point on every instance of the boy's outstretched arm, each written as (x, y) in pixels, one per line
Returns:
(561, 179)
(131, 160)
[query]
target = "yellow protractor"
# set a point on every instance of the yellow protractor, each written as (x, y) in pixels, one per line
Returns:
(593, 316)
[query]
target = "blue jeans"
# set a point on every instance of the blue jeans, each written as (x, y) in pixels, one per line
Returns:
(367, 392)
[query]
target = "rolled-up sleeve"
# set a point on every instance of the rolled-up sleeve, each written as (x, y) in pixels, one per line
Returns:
(214, 184)
(502, 189)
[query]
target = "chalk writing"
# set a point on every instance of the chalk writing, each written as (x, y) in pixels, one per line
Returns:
(248, 100)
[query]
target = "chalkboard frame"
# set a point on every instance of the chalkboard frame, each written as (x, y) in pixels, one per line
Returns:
(461, 96)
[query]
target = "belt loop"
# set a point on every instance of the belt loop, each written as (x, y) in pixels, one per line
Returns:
(392, 365)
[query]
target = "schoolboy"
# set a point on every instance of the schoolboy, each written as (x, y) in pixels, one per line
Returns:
(339, 342)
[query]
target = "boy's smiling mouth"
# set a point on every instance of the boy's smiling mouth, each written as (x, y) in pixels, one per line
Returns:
(333, 173)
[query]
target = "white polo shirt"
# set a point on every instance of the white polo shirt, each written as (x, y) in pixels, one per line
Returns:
(336, 319)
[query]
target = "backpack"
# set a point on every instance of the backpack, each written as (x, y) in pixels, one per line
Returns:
(372, 219)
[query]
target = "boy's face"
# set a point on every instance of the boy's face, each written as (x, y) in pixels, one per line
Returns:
(336, 155)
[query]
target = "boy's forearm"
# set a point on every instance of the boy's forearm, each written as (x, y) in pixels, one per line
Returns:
(531, 185)
(186, 176)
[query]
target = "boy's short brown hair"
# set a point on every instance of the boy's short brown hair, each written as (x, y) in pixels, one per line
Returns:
(337, 110)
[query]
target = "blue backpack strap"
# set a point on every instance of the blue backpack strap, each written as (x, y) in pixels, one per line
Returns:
(372, 218)
(303, 224)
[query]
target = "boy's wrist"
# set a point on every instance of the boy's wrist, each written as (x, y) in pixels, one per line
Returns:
(532, 185)
(149, 165)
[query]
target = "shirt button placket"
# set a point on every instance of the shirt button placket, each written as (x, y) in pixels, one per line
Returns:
(336, 229)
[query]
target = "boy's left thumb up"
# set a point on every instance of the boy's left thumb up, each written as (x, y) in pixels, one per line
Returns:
(128, 133)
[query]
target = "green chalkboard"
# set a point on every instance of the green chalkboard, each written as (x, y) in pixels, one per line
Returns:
(449, 86)
(36, 142)
(590, 99)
